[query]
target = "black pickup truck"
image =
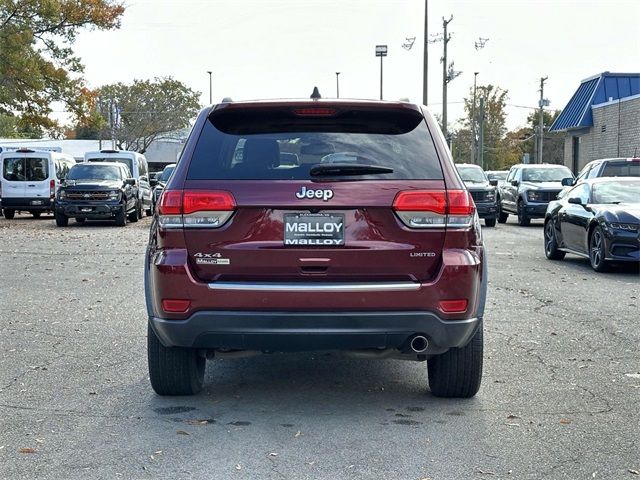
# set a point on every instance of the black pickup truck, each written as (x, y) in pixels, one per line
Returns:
(482, 190)
(98, 191)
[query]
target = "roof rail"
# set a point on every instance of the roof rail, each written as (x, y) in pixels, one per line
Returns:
(109, 151)
(227, 100)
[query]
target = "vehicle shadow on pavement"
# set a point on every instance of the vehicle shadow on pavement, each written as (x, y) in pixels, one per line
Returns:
(284, 388)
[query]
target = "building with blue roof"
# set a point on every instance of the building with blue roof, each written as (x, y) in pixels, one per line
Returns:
(602, 119)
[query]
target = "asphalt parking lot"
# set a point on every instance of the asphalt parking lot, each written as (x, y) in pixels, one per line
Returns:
(560, 395)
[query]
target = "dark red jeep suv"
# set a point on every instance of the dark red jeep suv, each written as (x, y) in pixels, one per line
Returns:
(315, 225)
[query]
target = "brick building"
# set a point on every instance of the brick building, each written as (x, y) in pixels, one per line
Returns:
(602, 119)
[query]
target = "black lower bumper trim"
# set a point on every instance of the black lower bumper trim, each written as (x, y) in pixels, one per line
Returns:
(27, 204)
(307, 331)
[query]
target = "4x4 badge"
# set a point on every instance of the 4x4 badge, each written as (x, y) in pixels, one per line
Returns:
(211, 259)
(304, 192)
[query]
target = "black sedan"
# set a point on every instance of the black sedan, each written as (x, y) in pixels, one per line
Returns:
(598, 219)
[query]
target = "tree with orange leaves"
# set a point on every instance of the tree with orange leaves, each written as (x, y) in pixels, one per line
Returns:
(37, 62)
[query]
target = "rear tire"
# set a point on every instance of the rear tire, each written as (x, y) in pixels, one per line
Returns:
(174, 370)
(149, 212)
(490, 222)
(550, 243)
(121, 217)
(61, 220)
(457, 372)
(523, 220)
(9, 214)
(140, 211)
(36, 214)
(81, 220)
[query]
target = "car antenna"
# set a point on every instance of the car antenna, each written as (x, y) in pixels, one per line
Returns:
(316, 94)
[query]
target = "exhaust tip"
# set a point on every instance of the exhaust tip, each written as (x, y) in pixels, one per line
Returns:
(419, 344)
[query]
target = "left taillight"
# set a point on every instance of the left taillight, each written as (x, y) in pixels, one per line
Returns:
(195, 208)
(52, 189)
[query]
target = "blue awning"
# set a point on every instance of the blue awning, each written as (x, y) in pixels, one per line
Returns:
(594, 91)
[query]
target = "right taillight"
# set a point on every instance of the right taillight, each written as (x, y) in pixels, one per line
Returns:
(195, 208)
(435, 208)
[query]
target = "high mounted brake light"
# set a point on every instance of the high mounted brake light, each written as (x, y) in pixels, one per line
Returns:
(195, 208)
(435, 208)
(315, 112)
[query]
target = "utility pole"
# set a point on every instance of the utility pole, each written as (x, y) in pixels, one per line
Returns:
(481, 139)
(473, 120)
(425, 62)
(337, 85)
(445, 79)
(541, 119)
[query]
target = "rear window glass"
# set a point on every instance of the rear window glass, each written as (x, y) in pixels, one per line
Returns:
(23, 169)
(127, 161)
(621, 169)
(277, 145)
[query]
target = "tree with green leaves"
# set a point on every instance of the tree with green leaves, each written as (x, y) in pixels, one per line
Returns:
(37, 62)
(135, 115)
(494, 99)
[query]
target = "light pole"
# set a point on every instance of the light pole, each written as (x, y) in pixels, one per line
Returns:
(210, 88)
(381, 51)
(473, 120)
(337, 85)
(425, 61)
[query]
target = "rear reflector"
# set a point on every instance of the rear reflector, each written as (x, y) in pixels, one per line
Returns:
(435, 208)
(453, 306)
(173, 305)
(195, 208)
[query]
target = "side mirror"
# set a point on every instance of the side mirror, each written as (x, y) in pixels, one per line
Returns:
(130, 181)
(493, 183)
(568, 182)
(515, 183)
(575, 200)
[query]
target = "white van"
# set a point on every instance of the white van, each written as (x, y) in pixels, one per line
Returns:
(138, 167)
(30, 178)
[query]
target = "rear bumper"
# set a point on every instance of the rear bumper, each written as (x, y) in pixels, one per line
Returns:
(29, 204)
(242, 317)
(303, 331)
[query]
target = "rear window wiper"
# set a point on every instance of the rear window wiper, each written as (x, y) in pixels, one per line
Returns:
(328, 170)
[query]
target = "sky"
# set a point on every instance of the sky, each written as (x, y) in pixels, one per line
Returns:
(283, 48)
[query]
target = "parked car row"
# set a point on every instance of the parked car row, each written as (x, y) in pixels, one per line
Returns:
(109, 184)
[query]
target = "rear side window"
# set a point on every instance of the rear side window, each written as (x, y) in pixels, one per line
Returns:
(259, 145)
(621, 169)
(23, 169)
